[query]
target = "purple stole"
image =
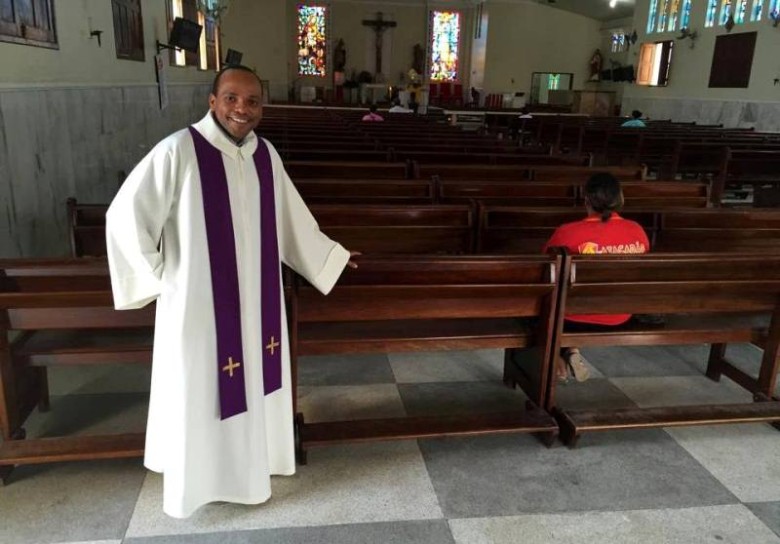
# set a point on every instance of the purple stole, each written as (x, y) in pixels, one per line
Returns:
(224, 276)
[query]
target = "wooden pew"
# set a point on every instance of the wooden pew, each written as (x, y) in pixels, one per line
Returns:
(417, 303)
(713, 299)
(582, 173)
(335, 155)
(375, 228)
(747, 167)
(62, 314)
(407, 228)
(637, 194)
(719, 230)
(507, 193)
(347, 170)
(87, 228)
(665, 194)
(433, 161)
(514, 229)
(522, 230)
(366, 191)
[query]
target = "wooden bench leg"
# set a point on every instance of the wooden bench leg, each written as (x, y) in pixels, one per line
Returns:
(6, 470)
(5, 474)
(548, 439)
(300, 452)
(43, 401)
(569, 434)
(716, 361)
(509, 379)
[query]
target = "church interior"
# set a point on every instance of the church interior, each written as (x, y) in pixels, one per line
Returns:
(428, 399)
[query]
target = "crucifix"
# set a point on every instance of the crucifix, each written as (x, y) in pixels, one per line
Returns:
(379, 25)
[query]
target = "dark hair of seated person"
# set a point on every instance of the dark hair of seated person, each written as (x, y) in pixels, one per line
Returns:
(603, 195)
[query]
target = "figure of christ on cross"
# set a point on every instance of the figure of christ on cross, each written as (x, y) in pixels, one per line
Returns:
(379, 25)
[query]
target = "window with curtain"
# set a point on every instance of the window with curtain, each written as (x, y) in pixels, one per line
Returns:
(445, 36)
(312, 40)
(654, 62)
(28, 22)
(207, 56)
(128, 29)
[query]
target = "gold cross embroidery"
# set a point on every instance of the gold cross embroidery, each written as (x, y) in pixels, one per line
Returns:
(272, 345)
(230, 366)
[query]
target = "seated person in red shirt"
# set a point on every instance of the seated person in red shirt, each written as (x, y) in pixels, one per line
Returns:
(602, 232)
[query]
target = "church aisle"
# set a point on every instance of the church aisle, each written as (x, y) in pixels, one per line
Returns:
(684, 485)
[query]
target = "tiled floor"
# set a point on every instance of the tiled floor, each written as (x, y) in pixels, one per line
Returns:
(684, 485)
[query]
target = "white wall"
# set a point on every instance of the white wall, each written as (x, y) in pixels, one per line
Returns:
(264, 30)
(621, 57)
(688, 96)
(261, 31)
(526, 37)
(479, 48)
(74, 120)
(346, 23)
(80, 61)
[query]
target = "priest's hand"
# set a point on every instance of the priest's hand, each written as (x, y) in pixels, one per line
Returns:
(351, 263)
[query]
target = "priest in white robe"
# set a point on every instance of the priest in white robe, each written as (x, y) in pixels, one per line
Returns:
(192, 228)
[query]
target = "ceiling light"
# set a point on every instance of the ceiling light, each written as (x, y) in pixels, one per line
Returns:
(612, 3)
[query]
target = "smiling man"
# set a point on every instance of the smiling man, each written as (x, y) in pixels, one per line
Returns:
(201, 226)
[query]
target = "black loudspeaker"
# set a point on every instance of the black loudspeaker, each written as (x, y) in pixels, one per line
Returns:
(185, 35)
(233, 57)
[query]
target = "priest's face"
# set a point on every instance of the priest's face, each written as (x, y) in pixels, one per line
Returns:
(238, 104)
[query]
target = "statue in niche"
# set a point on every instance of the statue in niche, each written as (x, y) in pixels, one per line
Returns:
(595, 66)
(418, 58)
(339, 56)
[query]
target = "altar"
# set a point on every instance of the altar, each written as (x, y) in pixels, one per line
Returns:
(371, 93)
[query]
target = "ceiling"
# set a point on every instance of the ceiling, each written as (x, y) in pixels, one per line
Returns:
(596, 9)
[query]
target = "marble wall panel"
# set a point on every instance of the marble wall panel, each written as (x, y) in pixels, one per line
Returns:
(58, 143)
(763, 116)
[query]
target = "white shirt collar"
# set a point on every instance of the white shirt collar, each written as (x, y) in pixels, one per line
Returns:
(210, 130)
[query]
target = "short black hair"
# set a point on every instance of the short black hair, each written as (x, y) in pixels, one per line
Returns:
(227, 68)
(603, 194)
(636, 114)
(372, 108)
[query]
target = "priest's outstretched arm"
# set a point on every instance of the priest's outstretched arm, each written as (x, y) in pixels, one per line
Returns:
(302, 246)
(134, 224)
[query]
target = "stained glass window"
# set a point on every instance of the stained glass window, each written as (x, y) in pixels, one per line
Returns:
(311, 40)
(674, 15)
(651, 16)
(685, 18)
(444, 45)
(712, 10)
(663, 15)
(739, 14)
(618, 41)
(725, 11)
(758, 7)
(774, 9)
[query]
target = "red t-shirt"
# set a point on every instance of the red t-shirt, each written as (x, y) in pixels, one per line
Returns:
(592, 236)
